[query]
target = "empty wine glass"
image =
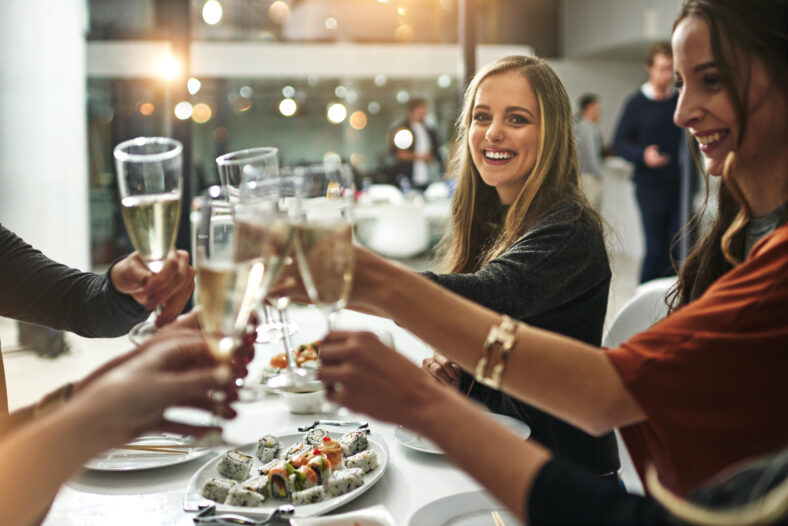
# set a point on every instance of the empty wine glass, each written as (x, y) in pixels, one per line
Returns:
(149, 171)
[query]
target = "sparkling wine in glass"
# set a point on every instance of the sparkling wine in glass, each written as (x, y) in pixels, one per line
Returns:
(324, 238)
(149, 171)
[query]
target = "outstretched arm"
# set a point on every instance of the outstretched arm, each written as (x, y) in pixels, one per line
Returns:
(122, 402)
(572, 380)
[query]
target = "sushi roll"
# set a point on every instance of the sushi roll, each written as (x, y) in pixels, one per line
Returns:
(303, 478)
(344, 481)
(235, 465)
(267, 448)
(302, 457)
(353, 442)
(367, 460)
(293, 450)
(321, 466)
(315, 436)
(332, 451)
(216, 489)
(239, 496)
(267, 466)
(309, 496)
(278, 480)
(258, 485)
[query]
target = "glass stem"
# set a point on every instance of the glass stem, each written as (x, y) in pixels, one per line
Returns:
(286, 342)
(331, 319)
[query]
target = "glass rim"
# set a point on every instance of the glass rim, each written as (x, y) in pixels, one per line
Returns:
(121, 154)
(246, 155)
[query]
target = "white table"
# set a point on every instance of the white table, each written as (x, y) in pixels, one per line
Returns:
(155, 497)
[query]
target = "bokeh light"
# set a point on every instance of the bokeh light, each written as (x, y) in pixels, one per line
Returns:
(288, 107)
(403, 139)
(183, 110)
(279, 12)
(380, 80)
(212, 12)
(444, 81)
(193, 85)
(331, 23)
(336, 113)
(288, 91)
(168, 67)
(201, 113)
(403, 96)
(358, 120)
(146, 108)
(373, 108)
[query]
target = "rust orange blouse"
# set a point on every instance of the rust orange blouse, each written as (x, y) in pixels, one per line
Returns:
(713, 377)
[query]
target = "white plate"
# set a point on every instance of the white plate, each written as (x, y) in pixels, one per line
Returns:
(464, 509)
(133, 460)
(419, 443)
(193, 498)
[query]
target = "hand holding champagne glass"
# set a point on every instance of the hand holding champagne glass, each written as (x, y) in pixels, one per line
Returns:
(149, 171)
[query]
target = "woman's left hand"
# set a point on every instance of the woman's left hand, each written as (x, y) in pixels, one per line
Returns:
(171, 287)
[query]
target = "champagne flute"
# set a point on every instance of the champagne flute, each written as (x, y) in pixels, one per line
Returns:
(228, 276)
(324, 239)
(265, 223)
(255, 164)
(149, 173)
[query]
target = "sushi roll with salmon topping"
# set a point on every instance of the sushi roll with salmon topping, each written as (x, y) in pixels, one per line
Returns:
(235, 465)
(278, 477)
(321, 466)
(332, 450)
(267, 448)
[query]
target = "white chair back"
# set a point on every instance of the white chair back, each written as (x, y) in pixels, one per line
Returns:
(645, 309)
(383, 193)
(397, 231)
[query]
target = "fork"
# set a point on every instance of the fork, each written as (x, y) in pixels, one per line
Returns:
(206, 516)
(361, 425)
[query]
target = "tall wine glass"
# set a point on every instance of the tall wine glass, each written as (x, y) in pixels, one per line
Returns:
(324, 239)
(254, 164)
(229, 277)
(150, 176)
(265, 217)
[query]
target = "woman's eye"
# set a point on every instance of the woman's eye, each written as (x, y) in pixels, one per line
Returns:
(480, 117)
(679, 84)
(518, 119)
(711, 81)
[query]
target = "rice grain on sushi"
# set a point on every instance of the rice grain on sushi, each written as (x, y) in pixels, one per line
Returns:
(235, 465)
(216, 489)
(240, 496)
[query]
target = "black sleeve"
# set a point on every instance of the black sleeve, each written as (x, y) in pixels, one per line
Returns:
(563, 493)
(35, 289)
(558, 261)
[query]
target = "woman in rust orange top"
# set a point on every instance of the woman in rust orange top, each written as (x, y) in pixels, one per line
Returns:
(698, 391)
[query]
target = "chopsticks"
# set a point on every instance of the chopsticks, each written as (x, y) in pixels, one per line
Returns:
(497, 519)
(156, 448)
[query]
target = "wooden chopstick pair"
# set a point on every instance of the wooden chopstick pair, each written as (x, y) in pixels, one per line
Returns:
(497, 519)
(157, 448)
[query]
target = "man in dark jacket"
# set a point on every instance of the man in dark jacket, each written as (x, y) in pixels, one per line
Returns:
(414, 146)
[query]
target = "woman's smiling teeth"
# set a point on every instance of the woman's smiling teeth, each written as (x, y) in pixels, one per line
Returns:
(711, 138)
(498, 155)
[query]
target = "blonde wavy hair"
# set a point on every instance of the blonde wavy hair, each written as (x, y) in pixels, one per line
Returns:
(478, 235)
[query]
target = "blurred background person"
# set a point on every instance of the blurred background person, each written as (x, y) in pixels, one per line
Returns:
(590, 148)
(414, 146)
(647, 137)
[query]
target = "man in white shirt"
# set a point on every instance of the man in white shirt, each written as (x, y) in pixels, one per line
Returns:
(588, 139)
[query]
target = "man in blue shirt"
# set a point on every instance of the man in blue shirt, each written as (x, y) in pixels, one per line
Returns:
(647, 137)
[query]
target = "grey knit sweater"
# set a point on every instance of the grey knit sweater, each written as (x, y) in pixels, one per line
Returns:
(555, 277)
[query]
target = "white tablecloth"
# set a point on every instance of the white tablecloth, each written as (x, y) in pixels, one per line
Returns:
(155, 497)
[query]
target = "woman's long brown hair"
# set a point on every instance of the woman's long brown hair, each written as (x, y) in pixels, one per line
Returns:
(477, 234)
(739, 31)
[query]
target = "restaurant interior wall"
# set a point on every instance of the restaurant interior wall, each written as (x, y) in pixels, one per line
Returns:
(43, 164)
